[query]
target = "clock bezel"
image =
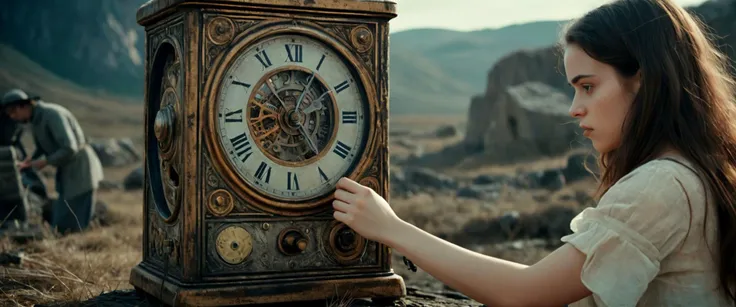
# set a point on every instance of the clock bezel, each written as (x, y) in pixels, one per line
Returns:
(221, 163)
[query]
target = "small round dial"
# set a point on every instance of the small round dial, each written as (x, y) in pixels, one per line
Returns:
(234, 244)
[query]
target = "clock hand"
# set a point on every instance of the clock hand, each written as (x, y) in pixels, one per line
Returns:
(316, 104)
(309, 139)
(271, 87)
(306, 87)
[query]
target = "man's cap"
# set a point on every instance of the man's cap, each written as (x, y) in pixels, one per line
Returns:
(15, 96)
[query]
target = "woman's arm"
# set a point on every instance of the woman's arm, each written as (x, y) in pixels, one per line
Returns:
(554, 281)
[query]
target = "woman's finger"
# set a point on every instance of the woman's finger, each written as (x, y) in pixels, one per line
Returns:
(344, 196)
(340, 205)
(348, 185)
(340, 216)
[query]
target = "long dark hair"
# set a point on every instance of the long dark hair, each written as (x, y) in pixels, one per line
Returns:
(686, 100)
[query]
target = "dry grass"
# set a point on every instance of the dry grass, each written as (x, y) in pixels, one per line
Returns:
(77, 266)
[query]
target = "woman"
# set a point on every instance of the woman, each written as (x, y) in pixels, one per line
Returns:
(656, 100)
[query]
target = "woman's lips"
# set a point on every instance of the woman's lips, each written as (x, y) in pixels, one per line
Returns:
(586, 130)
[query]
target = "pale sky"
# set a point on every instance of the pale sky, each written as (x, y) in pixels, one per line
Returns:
(464, 15)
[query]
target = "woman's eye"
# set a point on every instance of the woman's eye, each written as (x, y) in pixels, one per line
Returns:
(587, 87)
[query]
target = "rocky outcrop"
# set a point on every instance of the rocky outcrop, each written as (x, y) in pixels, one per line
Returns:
(116, 152)
(96, 44)
(542, 65)
(526, 100)
(528, 121)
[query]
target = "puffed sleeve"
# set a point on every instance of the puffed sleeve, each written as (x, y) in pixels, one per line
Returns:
(637, 223)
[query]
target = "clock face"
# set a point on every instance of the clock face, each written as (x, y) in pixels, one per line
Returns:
(291, 117)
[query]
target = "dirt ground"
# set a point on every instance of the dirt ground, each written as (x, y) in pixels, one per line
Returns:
(80, 266)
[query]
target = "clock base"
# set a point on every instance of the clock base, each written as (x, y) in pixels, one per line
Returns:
(387, 286)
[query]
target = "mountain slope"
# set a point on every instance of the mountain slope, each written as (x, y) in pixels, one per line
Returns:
(99, 114)
(437, 71)
(96, 44)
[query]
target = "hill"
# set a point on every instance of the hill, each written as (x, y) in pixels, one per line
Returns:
(99, 114)
(437, 71)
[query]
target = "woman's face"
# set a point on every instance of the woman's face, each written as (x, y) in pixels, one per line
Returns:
(602, 98)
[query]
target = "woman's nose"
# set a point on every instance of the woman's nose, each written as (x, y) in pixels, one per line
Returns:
(576, 110)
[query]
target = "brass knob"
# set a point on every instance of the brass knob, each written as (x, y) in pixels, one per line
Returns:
(293, 242)
(163, 126)
(363, 36)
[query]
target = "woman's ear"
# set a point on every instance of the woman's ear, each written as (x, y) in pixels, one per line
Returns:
(636, 82)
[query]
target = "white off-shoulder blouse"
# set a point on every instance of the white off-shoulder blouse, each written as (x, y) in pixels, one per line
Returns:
(647, 241)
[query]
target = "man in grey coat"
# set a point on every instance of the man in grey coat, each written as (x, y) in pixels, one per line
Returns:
(60, 142)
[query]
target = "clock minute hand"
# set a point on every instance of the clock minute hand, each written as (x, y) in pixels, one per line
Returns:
(271, 87)
(309, 139)
(306, 87)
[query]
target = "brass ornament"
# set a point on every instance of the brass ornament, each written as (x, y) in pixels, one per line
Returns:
(361, 38)
(220, 203)
(220, 30)
(164, 127)
(234, 244)
(370, 182)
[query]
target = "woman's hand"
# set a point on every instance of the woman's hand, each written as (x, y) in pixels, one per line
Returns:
(363, 210)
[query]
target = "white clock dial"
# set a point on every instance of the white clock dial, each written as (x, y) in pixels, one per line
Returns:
(291, 117)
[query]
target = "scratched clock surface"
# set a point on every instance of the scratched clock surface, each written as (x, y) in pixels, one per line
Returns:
(291, 117)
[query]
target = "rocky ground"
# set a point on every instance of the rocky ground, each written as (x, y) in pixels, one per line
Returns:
(515, 212)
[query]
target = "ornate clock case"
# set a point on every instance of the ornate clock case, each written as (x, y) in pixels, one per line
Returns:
(254, 109)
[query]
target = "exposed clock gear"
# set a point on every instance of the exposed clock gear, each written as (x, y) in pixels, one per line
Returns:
(283, 131)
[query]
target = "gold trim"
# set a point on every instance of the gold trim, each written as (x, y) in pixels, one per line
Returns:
(220, 163)
(154, 9)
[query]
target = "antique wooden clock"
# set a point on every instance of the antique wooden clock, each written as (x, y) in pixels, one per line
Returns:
(254, 110)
